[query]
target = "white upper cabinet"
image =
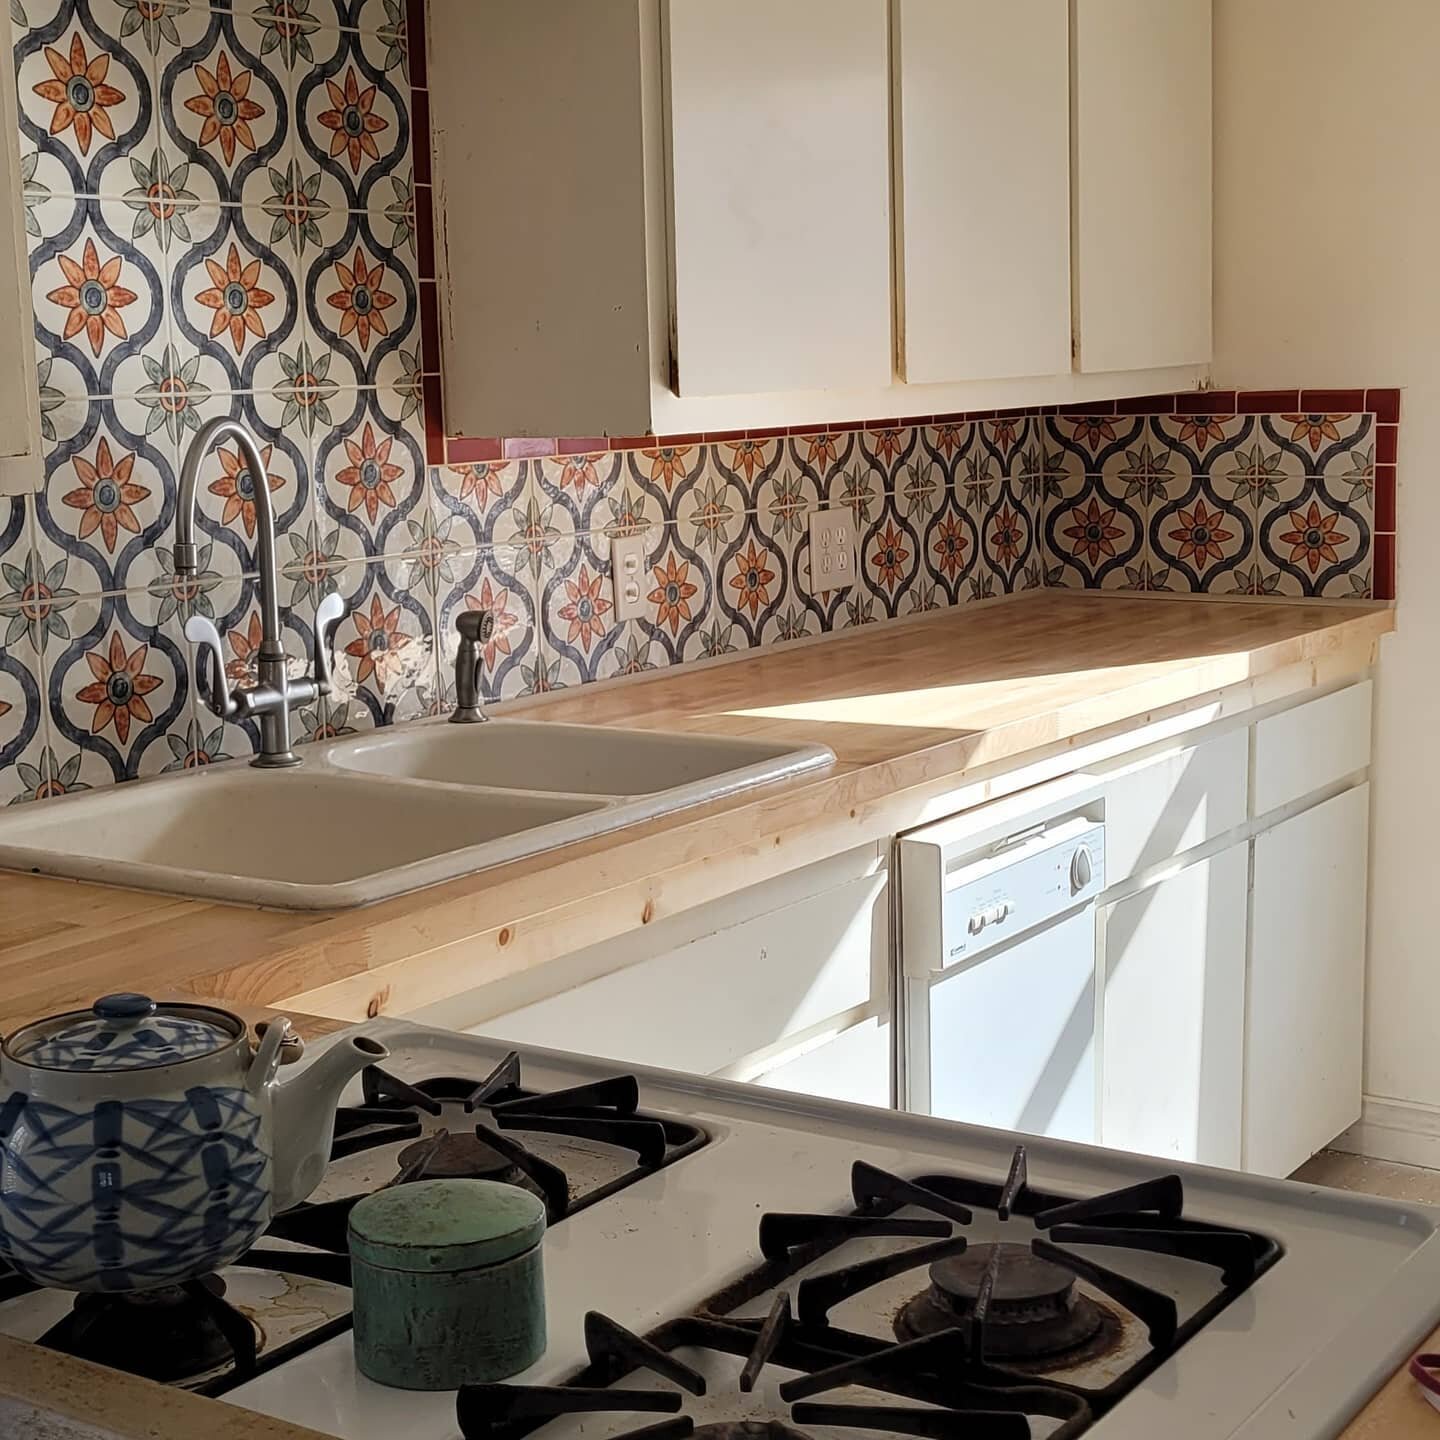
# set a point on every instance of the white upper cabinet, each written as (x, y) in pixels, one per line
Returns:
(20, 465)
(982, 170)
(1143, 184)
(774, 105)
(670, 216)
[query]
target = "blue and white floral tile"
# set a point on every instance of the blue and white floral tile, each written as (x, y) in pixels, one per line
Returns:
(678, 478)
(889, 560)
(1316, 545)
(1201, 441)
(488, 500)
(1008, 541)
(578, 624)
(1316, 440)
(886, 451)
(1092, 535)
(679, 594)
(1197, 540)
(224, 108)
(386, 665)
(117, 690)
(497, 581)
(373, 484)
(353, 123)
(86, 93)
(705, 500)
(1007, 439)
(235, 300)
(745, 468)
(801, 612)
(951, 547)
(580, 487)
(108, 498)
(752, 583)
(98, 297)
(1092, 439)
(22, 689)
(361, 301)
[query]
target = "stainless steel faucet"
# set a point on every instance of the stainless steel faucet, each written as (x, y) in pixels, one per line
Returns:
(269, 701)
(475, 628)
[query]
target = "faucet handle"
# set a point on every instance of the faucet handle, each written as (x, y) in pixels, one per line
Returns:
(202, 634)
(328, 615)
(477, 626)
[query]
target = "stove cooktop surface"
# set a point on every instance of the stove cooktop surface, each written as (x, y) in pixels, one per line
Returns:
(1291, 1297)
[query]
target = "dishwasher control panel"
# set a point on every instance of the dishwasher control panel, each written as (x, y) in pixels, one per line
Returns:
(1024, 881)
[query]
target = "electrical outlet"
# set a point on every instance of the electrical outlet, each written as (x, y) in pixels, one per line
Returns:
(627, 567)
(832, 550)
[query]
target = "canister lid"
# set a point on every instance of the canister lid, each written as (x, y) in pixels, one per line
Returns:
(445, 1225)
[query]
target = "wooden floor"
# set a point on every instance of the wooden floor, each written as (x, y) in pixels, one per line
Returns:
(1371, 1177)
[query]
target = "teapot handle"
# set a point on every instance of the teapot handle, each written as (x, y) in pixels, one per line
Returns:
(266, 1063)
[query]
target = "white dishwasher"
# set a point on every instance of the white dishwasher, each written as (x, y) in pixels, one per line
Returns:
(998, 972)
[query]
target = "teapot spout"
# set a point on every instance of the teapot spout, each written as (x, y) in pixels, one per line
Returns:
(303, 1116)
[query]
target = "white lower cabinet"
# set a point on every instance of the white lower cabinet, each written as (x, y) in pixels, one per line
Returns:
(787, 983)
(1174, 1014)
(1306, 987)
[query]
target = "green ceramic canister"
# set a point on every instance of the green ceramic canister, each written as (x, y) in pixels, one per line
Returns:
(448, 1283)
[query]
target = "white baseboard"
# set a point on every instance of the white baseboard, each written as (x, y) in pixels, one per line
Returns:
(1402, 1131)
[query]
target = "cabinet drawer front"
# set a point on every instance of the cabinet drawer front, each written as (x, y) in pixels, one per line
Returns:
(1300, 751)
(1158, 808)
(705, 1005)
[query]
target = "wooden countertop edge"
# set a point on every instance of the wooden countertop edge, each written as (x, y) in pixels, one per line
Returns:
(510, 919)
(1398, 1410)
(116, 1403)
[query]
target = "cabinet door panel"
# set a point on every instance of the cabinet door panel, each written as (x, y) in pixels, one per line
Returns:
(1141, 108)
(780, 194)
(1172, 1052)
(1306, 991)
(984, 192)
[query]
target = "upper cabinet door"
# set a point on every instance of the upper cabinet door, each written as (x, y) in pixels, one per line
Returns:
(1142, 98)
(983, 188)
(779, 194)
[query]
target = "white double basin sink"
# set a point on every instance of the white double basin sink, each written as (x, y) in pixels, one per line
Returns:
(374, 816)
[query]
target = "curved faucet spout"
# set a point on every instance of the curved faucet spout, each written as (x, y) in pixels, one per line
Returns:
(270, 700)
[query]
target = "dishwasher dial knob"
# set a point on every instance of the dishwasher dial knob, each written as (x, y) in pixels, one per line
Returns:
(978, 921)
(1082, 869)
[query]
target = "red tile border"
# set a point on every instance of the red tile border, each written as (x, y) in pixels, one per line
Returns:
(1387, 444)
(719, 437)
(425, 231)
(415, 43)
(420, 126)
(472, 451)
(1267, 402)
(1385, 497)
(774, 432)
(1382, 574)
(1205, 402)
(1331, 402)
(430, 328)
(1385, 405)
(581, 445)
(1146, 405)
(1090, 407)
(434, 431)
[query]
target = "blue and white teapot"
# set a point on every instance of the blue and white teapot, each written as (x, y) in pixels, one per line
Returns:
(144, 1144)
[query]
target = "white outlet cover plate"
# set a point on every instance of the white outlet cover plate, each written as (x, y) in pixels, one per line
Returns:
(832, 550)
(627, 566)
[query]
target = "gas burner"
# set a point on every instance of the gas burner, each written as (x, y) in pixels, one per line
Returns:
(1036, 1312)
(720, 1381)
(178, 1334)
(459, 1157)
(1015, 1297)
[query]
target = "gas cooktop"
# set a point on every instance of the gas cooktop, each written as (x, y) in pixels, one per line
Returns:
(790, 1267)
(570, 1146)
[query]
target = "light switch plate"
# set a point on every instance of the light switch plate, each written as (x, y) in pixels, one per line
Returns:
(832, 550)
(627, 567)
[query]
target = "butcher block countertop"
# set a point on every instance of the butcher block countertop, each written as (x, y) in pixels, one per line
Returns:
(910, 711)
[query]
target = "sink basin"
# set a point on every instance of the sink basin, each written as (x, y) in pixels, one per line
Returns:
(368, 818)
(569, 759)
(303, 838)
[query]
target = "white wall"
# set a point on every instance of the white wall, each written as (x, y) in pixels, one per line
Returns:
(1327, 261)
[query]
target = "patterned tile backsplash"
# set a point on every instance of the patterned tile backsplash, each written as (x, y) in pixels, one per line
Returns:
(228, 212)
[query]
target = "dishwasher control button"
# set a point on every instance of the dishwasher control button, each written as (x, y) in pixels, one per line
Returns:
(1004, 910)
(1082, 871)
(978, 921)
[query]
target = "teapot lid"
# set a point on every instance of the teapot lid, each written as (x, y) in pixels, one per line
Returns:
(124, 1032)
